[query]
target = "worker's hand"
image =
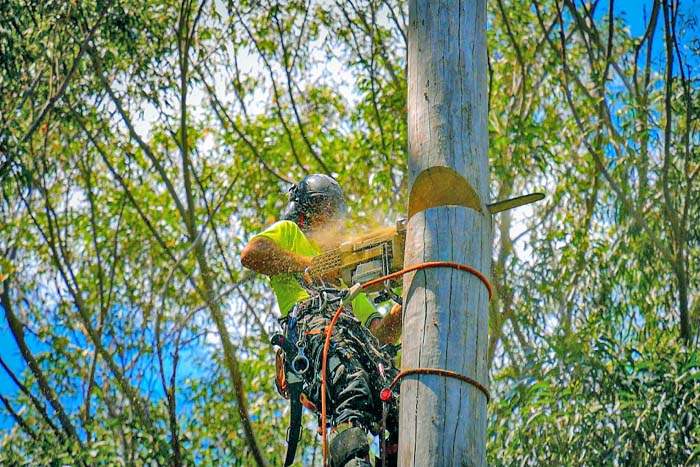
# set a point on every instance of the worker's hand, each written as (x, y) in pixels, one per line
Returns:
(388, 329)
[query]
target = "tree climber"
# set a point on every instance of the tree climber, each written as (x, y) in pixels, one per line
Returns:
(360, 357)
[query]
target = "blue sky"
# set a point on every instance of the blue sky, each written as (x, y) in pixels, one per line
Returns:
(9, 353)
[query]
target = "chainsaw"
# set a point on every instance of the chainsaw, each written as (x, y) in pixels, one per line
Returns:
(364, 258)
(381, 252)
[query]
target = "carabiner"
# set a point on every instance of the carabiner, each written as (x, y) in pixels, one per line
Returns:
(300, 364)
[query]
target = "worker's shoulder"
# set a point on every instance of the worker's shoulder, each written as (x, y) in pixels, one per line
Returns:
(283, 233)
(282, 227)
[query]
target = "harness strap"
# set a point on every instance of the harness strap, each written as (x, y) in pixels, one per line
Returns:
(294, 384)
(295, 391)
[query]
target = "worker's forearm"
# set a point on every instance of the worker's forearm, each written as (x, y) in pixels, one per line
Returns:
(266, 257)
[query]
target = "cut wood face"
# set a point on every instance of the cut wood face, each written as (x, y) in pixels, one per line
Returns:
(441, 186)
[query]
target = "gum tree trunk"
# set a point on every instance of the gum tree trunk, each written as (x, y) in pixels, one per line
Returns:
(443, 420)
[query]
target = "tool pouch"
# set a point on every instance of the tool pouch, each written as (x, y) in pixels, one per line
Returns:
(280, 374)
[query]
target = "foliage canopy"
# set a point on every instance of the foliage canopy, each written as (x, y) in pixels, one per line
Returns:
(141, 143)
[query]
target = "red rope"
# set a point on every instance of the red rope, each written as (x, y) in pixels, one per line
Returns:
(447, 373)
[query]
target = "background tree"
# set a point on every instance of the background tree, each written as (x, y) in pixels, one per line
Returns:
(142, 143)
(602, 282)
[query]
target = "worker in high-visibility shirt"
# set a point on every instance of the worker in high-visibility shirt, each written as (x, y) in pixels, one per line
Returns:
(360, 361)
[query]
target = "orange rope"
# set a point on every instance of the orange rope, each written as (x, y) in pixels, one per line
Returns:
(329, 330)
(433, 264)
(446, 373)
(324, 370)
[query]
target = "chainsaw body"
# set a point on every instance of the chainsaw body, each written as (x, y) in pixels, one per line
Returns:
(361, 259)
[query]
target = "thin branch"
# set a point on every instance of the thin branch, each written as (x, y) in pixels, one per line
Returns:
(668, 129)
(61, 89)
(685, 86)
(592, 32)
(197, 240)
(38, 405)
(290, 93)
(671, 214)
(629, 206)
(380, 46)
(226, 121)
(124, 186)
(115, 255)
(134, 134)
(183, 51)
(643, 102)
(300, 36)
(88, 390)
(87, 174)
(18, 419)
(237, 84)
(59, 254)
(368, 64)
(516, 46)
(200, 11)
(401, 27)
(273, 82)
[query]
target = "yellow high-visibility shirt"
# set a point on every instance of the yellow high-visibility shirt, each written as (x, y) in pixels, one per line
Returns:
(287, 289)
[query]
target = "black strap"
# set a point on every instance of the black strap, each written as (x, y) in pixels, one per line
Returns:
(294, 389)
(295, 385)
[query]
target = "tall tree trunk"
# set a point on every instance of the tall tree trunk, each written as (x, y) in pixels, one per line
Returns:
(442, 419)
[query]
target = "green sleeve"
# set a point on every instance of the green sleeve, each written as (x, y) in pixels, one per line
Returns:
(277, 232)
(364, 309)
(287, 235)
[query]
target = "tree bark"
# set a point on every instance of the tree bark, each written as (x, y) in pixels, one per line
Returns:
(443, 420)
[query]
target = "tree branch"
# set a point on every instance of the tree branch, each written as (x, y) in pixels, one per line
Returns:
(17, 330)
(132, 131)
(18, 419)
(61, 89)
(629, 206)
(273, 82)
(290, 93)
(38, 405)
(226, 120)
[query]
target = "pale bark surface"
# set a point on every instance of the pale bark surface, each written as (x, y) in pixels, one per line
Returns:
(442, 420)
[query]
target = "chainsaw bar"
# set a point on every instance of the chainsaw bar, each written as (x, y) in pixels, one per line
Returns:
(506, 204)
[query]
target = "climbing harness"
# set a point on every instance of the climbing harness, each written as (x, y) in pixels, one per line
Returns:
(319, 305)
(290, 383)
(386, 394)
(352, 361)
